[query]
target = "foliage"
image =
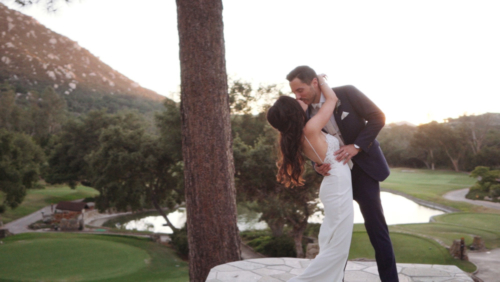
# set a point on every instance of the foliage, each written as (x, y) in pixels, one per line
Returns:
(396, 140)
(180, 241)
(38, 115)
(281, 246)
(278, 205)
(20, 160)
(77, 139)
(424, 145)
(461, 144)
(488, 184)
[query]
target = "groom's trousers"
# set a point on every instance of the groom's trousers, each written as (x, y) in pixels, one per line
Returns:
(366, 191)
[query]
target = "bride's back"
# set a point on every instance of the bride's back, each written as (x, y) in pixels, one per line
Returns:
(315, 146)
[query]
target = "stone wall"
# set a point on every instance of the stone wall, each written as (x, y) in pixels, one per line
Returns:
(70, 224)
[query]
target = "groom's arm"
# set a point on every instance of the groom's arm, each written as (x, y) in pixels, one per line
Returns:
(321, 169)
(365, 108)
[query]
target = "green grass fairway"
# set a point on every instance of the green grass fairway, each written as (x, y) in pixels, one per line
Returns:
(431, 185)
(78, 257)
(447, 233)
(408, 249)
(485, 221)
(39, 198)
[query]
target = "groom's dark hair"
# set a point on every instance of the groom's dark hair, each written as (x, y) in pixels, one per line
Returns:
(304, 73)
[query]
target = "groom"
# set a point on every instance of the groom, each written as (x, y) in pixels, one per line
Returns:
(357, 121)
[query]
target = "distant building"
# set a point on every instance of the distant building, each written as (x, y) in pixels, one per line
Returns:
(67, 215)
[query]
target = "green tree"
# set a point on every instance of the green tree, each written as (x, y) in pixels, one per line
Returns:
(20, 161)
(395, 141)
(256, 182)
(452, 140)
(425, 143)
(77, 139)
(38, 115)
(133, 171)
(488, 183)
(7, 106)
(477, 128)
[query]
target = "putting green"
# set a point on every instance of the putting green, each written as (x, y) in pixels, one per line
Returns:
(68, 259)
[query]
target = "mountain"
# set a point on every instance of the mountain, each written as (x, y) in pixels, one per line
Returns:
(33, 57)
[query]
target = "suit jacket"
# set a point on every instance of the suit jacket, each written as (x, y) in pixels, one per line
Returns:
(361, 124)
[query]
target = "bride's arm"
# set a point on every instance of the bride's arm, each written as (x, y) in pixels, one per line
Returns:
(319, 120)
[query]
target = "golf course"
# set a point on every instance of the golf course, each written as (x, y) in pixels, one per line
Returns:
(59, 256)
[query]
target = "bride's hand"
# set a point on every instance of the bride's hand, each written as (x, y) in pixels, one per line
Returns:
(322, 76)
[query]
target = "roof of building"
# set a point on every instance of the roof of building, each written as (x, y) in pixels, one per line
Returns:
(72, 206)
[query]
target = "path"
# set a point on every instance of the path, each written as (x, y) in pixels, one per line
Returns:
(487, 263)
(459, 196)
(21, 225)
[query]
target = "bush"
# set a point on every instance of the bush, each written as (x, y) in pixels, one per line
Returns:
(312, 230)
(282, 246)
(495, 190)
(180, 242)
(476, 193)
(253, 234)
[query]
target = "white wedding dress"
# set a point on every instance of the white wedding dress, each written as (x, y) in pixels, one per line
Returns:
(336, 230)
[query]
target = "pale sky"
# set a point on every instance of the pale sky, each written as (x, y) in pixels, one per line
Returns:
(417, 60)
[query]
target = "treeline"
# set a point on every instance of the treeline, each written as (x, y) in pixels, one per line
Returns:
(460, 144)
(136, 162)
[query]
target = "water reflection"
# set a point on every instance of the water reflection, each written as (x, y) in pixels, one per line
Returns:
(397, 210)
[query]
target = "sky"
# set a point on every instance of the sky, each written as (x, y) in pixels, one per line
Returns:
(419, 61)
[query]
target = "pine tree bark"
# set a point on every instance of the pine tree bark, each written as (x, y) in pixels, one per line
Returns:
(206, 138)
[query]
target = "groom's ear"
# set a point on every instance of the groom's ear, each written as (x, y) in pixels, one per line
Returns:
(314, 81)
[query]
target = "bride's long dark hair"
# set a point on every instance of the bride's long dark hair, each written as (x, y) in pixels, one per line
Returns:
(288, 117)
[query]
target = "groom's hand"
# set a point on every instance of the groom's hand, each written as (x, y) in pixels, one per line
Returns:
(345, 153)
(322, 169)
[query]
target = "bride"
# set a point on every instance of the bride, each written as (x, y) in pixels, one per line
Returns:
(299, 137)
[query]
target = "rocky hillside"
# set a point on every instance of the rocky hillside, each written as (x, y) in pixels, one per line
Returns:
(35, 57)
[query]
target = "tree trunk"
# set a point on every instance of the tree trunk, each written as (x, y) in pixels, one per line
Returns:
(297, 233)
(276, 226)
(455, 164)
(157, 206)
(206, 138)
(432, 159)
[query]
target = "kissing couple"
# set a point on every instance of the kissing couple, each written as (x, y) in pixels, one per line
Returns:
(335, 128)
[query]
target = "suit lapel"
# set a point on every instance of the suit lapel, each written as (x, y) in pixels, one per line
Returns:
(337, 114)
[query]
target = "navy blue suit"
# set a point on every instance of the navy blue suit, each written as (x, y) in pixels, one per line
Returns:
(361, 126)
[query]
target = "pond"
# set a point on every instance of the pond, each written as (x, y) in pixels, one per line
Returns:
(397, 210)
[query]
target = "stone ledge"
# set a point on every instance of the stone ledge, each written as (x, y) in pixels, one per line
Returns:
(282, 269)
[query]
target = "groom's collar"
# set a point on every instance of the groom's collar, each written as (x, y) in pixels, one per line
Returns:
(322, 100)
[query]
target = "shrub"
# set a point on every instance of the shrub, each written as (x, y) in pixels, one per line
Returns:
(495, 190)
(282, 246)
(180, 242)
(252, 234)
(312, 230)
(476, 193)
